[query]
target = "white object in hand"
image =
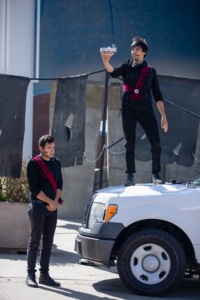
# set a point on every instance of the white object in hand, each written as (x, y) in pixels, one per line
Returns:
(109, 49)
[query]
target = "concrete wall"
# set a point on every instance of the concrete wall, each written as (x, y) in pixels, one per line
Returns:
(116, 155)
(70, 42)
(79, 180)
(183, 173)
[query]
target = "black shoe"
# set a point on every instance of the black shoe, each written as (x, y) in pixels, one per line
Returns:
(156, 179)
(30, 281)
(46, 279)
(130, 180)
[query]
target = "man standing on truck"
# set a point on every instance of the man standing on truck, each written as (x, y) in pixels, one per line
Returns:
(139, 83)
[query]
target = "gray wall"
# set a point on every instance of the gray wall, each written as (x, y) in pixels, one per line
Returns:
(80, 181)
(72, 32)
(116, 154)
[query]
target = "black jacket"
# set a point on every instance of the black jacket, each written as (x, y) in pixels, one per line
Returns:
(130, 75)
(38, 181)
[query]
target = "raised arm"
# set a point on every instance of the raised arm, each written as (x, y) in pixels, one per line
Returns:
(106, 56)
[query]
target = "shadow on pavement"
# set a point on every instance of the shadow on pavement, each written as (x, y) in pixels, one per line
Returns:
(189, 289)
(75, 294)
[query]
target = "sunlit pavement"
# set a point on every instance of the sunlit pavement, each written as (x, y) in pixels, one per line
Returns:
(78, 281)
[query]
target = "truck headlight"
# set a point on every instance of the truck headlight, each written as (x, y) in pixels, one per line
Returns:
(100, 212)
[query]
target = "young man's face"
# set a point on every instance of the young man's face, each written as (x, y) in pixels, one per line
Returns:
(48, 151)
(137, 53)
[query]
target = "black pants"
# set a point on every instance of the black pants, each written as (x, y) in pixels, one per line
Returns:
(43, 224)
(131, 114)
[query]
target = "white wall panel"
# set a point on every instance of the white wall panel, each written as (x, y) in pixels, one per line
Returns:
(3, 35)
(17, 37)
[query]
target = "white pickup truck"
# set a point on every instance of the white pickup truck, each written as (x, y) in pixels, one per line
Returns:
(151, 231)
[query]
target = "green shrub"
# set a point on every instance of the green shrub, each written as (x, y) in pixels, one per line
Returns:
(15, 189)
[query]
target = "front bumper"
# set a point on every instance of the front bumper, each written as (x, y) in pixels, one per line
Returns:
(96, 244)
(95, 250)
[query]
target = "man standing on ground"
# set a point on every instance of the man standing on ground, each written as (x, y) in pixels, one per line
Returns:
(45, 199)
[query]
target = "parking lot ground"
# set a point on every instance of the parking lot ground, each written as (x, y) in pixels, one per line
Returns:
(78, 281)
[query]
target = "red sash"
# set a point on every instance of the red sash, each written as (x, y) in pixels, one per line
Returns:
(136, 90)
(47, 173)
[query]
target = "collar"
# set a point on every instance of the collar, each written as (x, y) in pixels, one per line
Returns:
(135, 65)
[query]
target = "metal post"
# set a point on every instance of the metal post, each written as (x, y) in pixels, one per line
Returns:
(104, 117)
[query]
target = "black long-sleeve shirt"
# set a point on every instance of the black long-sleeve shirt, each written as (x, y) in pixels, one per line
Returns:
(38, 181)
(130, 75)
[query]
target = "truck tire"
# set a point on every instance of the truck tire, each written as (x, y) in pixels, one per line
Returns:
(151, 262)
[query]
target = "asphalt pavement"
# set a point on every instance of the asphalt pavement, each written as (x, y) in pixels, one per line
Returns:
(78, 281)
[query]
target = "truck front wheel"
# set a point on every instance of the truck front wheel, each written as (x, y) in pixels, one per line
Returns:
(151, 262)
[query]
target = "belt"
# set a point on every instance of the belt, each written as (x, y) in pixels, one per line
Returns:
(36, 201)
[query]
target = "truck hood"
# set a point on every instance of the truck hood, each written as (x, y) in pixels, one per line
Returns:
(145, 189)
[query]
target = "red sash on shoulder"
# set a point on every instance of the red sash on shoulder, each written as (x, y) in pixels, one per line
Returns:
(47, 173)
(136, 90)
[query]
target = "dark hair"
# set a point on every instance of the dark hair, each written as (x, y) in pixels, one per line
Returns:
(139, 41)
(45, 139)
